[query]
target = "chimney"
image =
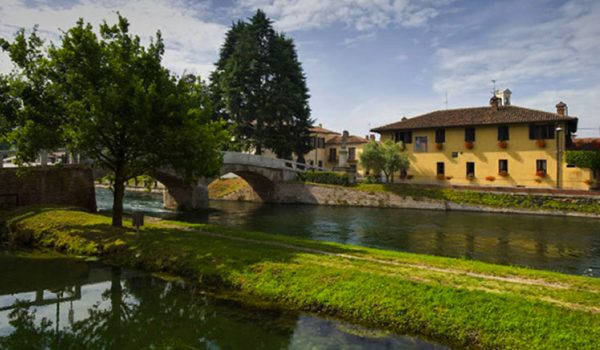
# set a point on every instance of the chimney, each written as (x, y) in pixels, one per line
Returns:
(320, 125)
(561, 108)
(494, 101)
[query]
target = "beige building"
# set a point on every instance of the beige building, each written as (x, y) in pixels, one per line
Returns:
(318, 156)
(354, 144)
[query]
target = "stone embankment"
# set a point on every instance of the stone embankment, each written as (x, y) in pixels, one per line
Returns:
(411, 197)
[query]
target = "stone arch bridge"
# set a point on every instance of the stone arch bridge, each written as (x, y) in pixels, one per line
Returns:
(261, 173)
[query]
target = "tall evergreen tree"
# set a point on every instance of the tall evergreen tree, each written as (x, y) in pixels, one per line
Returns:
(260, 87)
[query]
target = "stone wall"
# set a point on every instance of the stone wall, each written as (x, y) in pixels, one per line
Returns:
(65, 185)
(342, 196)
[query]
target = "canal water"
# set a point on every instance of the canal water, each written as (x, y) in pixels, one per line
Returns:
(52, 302)
(565, 244)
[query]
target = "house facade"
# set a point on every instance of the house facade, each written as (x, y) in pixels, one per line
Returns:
(498, 145)
(318, 156)
(354, 145)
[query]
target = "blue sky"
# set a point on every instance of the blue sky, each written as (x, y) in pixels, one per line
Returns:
(371, 62)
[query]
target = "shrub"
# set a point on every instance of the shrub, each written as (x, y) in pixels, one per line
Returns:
(584, 159)
(325, 177)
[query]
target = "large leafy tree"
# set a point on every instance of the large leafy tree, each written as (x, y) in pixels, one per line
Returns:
(113, 102)
(260, 87)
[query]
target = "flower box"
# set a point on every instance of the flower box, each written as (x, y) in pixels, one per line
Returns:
(449, 177)
(441, 177)
(503, 173)
(540, 174)
(470, 177)
(540, 143)
(502, 144)
(439, 146)
(490, 178)
(469, 145)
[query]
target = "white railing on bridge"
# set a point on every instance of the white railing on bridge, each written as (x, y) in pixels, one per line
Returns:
(266, 162)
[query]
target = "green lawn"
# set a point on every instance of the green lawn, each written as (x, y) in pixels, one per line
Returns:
(457, 302)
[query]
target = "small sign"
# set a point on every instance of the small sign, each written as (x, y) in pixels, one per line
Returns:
(137, 219)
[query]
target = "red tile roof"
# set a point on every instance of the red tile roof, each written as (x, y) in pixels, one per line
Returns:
(352, 139)
(321, 130)
(475, 116)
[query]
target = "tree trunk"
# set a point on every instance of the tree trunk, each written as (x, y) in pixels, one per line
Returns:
(258, 149)
(117, 216)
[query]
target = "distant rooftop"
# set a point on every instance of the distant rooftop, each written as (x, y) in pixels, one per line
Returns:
(319, 129)
(352, 139)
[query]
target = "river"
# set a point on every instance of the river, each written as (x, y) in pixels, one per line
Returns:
(564, 244)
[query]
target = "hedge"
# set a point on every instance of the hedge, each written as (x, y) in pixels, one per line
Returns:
(325, 177)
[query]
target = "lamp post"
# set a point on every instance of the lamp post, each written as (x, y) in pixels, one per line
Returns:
(558, 157)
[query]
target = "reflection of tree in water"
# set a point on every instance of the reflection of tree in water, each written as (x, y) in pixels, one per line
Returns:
(146, 313)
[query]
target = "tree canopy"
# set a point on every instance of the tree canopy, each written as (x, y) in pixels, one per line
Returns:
(260, 87)
(386, 157)
(109, 98)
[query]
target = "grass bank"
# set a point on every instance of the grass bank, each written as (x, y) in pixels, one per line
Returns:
(461, 303)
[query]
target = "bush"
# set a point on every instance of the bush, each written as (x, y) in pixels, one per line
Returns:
(584, 159)
(325, 177)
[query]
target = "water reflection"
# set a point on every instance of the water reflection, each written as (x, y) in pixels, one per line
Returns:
(74, 305)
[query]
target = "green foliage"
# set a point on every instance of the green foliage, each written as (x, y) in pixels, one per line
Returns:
(584, 159)
(386, 157)
(325, 177)
(461, 303)
(118, 105)
(260, 87)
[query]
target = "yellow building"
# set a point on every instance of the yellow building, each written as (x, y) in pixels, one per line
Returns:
(354, 145)
(319, 137)
(500, 145)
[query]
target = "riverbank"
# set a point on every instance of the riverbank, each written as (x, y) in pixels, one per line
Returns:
(420, 197)
(457, 302)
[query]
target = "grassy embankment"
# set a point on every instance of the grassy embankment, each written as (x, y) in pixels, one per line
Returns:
(457, 302)
(222, 187)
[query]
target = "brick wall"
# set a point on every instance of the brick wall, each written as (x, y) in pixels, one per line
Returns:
(65, 185)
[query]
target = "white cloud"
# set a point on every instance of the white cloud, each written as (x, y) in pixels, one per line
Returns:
(359, 14)
(359, 39)
(192, 42)
(563, 49)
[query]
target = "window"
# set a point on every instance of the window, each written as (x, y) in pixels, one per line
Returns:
(470, 134)
(321, 142)
(470, 169)
(352, 153)
(421, 144)
(320, 164)
(503, 133)
(332, 155)
(541, 131)
(440, 135)
(404, 136)
(454, 154)
(502, 166)
(440, 168)
(541, 166)
(311, 162)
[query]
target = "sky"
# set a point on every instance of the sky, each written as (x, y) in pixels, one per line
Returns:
(372, 62)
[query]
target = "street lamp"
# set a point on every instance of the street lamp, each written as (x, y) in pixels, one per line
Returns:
(558, 156)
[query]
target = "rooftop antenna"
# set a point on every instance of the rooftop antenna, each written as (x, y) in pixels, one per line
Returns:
(494, 87)
(446, 93)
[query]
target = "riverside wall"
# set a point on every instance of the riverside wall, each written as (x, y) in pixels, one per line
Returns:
(71, 185)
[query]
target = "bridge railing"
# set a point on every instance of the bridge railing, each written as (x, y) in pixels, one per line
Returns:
(267, 162)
